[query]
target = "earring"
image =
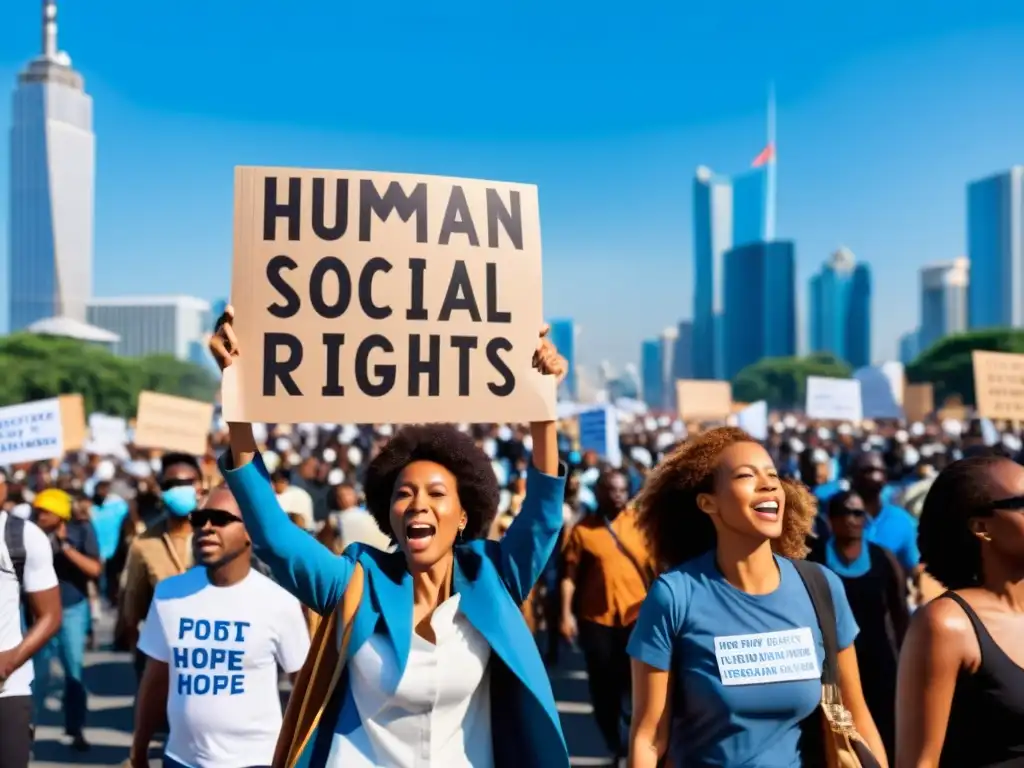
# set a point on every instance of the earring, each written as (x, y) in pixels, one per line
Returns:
(459, 538)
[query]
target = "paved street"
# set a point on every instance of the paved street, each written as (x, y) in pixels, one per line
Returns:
(111, 683)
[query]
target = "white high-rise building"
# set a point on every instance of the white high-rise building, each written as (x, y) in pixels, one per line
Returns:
(154, 325)
(52, 187)
(944, 288)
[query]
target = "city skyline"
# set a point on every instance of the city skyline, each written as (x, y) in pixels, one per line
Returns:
(613, 178)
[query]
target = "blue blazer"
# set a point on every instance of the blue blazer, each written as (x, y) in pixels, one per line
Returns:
(492, 578)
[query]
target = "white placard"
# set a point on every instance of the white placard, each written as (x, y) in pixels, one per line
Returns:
(833, 399)
(108, 436)
(599, 432)
(877, 394)
(754, 420)
(31, 432)
(767, 657)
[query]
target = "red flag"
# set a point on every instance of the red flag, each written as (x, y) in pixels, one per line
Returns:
(767, 155)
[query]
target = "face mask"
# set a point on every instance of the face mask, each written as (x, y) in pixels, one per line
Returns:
(180, 500)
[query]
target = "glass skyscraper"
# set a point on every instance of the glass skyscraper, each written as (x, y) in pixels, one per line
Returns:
(52, 188)
(840, 309)
(944, 301)
(760, 304)
(995, 247)
(749, 207)
(563, 336)
(652, 372)
(712, 237)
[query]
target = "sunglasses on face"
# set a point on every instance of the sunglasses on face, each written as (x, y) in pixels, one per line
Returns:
(858, 513)
(218, 518)
(1012, 504)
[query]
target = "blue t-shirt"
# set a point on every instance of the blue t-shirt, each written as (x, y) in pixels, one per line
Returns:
(107, 519)
(746, 668)
(895, 529)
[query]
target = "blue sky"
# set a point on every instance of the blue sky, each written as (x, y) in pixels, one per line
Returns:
(885, 111)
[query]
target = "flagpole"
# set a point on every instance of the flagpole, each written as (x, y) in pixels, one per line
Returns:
(769, 227)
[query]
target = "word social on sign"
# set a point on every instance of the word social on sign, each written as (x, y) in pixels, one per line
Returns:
(378, 297)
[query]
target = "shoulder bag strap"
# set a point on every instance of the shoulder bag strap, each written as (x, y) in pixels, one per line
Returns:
(645, 574)
(818, 589)
(318, 679)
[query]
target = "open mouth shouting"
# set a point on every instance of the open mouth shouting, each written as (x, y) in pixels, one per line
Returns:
(767, 510)
(420, 535)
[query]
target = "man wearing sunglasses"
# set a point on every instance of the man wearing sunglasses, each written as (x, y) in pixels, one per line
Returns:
(164, 550)
(876, 587)
(216, 637)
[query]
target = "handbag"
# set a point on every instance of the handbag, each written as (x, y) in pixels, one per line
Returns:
(842, 746)
(319, 676)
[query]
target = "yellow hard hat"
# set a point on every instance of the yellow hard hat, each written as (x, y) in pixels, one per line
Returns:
(54, 500)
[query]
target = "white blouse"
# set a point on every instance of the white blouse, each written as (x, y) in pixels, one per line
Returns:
(440, 713)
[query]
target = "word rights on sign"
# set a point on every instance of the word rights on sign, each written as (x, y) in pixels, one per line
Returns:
(767, 657)
(377, 297)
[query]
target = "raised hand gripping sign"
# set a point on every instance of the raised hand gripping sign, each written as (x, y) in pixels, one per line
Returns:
(379, 297)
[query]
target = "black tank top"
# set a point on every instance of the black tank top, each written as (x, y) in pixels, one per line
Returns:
(986, 720)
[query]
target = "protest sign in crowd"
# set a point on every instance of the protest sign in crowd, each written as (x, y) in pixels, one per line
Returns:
(389, 509)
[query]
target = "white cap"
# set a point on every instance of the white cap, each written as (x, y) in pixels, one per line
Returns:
(336, 476)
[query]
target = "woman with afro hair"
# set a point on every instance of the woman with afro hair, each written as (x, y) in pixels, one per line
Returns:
(960, 693)
(440, 670)
(707, 689)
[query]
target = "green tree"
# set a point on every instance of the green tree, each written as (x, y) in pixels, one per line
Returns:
(37, 367)
(947, 364)
(782, 381)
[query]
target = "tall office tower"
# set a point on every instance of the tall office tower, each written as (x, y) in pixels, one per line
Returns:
(712, 237)
(840, 309)
(760, 304)
(668, 337)
(563, 336)
(652, 373)
(682, 358)
(944, 300)
(995, 248)
(154, 325)
(909, 347)
(52, 187)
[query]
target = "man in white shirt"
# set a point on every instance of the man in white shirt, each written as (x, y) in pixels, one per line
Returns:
(293, 500)
(26, 565)
(355, 524)
(215, 637)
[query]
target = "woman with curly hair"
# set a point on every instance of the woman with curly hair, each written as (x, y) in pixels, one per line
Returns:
(960, 693)
(440, 668)
(709, 688)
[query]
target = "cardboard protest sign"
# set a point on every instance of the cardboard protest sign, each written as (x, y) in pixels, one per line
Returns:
(918, 401)
(382, 297)
(41, 430)
(170, 423)
(700, 400)
(998, 385)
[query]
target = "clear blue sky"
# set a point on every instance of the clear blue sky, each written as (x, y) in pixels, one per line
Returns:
(885, 110)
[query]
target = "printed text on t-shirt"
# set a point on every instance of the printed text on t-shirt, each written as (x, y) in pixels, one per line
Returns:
(216, 667)
(767, 657)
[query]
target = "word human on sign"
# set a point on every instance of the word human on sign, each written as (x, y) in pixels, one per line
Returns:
(211, 669)
(367, 295)
(767, 657)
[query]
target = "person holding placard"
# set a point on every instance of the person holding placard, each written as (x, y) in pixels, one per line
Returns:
(438, 634)
(728, 653)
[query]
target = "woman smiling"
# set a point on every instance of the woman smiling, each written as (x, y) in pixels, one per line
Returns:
(728, 633)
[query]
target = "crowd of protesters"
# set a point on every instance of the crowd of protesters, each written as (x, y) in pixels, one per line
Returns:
(698, 537)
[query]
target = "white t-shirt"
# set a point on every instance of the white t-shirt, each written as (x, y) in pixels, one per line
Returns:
(39, 576)
(296, 501)
(223, 647)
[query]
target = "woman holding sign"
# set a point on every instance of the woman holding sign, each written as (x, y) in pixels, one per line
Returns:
(439, 666)
(729, 633)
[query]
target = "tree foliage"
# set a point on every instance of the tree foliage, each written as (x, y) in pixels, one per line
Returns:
(37, 367)
(947, 364)
(782, 381)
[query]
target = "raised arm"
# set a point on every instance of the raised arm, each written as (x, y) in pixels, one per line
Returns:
(526, 548)
(299, 563)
